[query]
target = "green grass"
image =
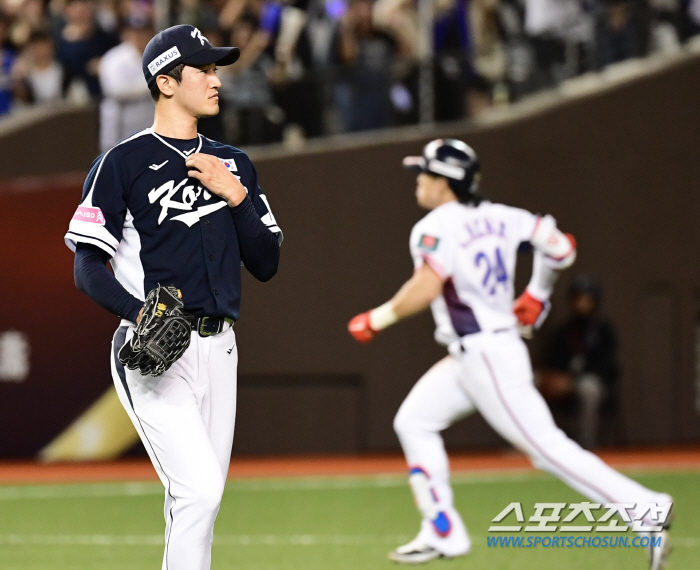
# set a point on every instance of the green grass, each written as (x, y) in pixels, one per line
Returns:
(309, 524)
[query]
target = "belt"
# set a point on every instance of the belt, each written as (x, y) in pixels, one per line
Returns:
(463, 349)
(209, 326)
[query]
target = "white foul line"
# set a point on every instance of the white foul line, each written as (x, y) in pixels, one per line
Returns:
(225, 540)
(242, 540)
(135, 489)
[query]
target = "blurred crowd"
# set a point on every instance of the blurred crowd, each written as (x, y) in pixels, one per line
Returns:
(314, 67)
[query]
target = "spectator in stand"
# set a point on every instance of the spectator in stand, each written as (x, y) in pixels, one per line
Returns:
(292, 79)
(366, 55)
(200, 13)
(399, 19)
(582, 353)
(82, 43)
(489, 54)
(551, 26)
(323, 17)
(127, 106)
(7, 60)
(279, 31)
(453, 69)
(469, 55)
(618, 36)
(28, 16)
(247, 92)
(39, 78)
(664, 26)
(692, 19)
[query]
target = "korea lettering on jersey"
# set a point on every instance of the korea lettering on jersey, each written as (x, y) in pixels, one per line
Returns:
(160, 226)
(473, 249)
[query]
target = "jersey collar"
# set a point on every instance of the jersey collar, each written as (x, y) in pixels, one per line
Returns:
(182, 154)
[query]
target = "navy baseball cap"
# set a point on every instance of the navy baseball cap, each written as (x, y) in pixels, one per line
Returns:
(182, 44)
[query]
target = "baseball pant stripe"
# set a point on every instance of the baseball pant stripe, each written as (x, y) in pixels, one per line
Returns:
(119, 339)
(531, 440)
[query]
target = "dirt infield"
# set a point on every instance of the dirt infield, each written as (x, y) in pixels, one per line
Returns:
(686, 458)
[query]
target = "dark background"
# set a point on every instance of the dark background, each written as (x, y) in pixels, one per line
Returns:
(620, 170)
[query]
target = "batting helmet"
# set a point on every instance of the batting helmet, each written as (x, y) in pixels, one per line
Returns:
(452, 159)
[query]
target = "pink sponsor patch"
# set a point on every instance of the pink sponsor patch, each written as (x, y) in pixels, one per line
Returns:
(92, 215)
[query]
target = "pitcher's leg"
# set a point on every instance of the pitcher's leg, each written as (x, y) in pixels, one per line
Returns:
(435, 402)
(219, 402)
(166, 415)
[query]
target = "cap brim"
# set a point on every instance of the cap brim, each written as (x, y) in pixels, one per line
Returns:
(416, 163)
(219, 56)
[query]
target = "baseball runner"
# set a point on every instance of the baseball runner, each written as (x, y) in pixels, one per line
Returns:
(464, 253)
(177, 215)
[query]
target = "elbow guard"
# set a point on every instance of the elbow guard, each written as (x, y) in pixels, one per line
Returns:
(559, 249)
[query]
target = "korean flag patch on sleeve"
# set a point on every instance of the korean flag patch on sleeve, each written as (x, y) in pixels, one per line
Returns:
(428, 243)
(230, 164)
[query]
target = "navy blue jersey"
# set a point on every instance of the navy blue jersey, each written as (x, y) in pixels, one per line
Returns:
(160, 226)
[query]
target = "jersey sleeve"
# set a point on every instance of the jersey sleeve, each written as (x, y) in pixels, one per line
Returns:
(99, 219)
(429, 245)
(262, 204)
(523, 223)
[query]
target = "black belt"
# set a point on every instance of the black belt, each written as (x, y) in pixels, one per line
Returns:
(208, 326)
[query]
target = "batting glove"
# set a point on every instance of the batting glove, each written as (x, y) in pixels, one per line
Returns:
(530, 311)
(360, 328)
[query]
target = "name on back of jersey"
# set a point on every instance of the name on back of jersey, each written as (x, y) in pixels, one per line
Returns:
(481, 228)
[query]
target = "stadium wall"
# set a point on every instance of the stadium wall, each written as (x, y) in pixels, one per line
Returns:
(619, 169)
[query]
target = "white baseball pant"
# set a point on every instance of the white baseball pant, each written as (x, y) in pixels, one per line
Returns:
(493, 375)
(185, 418)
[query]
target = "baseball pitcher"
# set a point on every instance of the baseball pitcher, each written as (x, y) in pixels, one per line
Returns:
(177, 215)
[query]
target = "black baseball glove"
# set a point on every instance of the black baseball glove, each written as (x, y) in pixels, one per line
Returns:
(162, 335)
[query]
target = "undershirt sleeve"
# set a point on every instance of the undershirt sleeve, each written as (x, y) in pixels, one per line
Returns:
(259, 248)
(94, 279)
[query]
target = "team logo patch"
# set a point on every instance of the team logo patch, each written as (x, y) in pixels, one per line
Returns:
(163, 59)
(197, 34)
(428, 243)
(91, 215)
(230, 164)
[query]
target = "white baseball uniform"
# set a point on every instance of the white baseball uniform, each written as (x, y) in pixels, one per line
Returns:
(474, 250)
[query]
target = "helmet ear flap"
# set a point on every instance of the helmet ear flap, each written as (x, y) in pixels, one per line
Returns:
(467, 189)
